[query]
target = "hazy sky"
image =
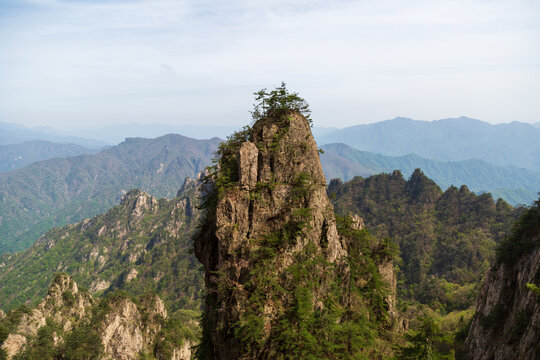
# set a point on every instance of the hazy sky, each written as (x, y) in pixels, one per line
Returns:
(90, 63)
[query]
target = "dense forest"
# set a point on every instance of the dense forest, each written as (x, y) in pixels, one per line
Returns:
(447, 240)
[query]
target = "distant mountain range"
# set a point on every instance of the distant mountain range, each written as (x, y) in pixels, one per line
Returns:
(117, 133)
(96, 138)
(516, 185)
(59, 191)
(15, 134)
(515, 144)
(14, 156)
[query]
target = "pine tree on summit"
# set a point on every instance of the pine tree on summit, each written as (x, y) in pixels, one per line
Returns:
(277, 102)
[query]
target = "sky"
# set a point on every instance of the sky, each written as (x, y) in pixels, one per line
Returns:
(91, 63)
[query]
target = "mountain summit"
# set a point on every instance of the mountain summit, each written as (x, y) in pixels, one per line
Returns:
(277, 262)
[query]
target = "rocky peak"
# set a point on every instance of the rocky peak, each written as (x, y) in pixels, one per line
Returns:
(116, 327)
(126, 329)
(507, 320)
(64, 304)
(422, 189)
(61, 284)
(287, 149)
(138, 202)
(267, 222)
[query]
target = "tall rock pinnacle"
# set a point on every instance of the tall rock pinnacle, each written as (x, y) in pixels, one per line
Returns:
(272, 215)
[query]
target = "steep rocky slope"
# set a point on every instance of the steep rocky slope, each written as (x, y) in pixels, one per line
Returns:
(284, 277)
(70, 324)
(143, 244)
(56, 192)
(507, 320)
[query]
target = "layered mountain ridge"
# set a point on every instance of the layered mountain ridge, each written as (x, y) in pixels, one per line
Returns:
(514, 144)
(285, 274)
(15, 156)
(55, 192)
(515, 185)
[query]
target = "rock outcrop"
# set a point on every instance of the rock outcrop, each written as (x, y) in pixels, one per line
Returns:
(269, 242)
(128, 330)
(507, 320)
(115, 328)
(142, 241)
(64, 304)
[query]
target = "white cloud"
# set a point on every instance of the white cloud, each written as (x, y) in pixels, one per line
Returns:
(354, 61)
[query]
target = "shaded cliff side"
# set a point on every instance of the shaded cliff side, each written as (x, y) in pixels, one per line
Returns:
(507, 320)
(283, 276)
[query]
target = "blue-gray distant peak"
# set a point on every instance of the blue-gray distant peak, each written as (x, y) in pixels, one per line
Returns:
(451, 139)
(516, 185)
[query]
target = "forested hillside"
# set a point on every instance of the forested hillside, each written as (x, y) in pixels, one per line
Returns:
(14, 156)
(141, 245)
(35, 198)
(447, 240)
(515, 185)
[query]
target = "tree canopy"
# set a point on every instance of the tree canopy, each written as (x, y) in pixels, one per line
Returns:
(278, 101)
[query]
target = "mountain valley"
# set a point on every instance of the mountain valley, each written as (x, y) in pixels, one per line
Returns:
(423, 256)
(261, 256)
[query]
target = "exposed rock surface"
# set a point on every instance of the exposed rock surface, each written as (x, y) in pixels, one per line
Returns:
(63, 304)
(183, 353)
(124, 329)
(507, 321)
(143, 240)
(276, 212)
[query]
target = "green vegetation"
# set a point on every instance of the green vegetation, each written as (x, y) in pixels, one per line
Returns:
(42, 347)
(278, 102)
(56, 192)
(428, 343)
(534, 289)
(446, 240)
(153, 244)
(524, 236)
(347, 320)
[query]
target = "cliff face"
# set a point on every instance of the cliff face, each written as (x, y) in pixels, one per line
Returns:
(507, 320)
(64, 304)
(70, 324)
(270, 247)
